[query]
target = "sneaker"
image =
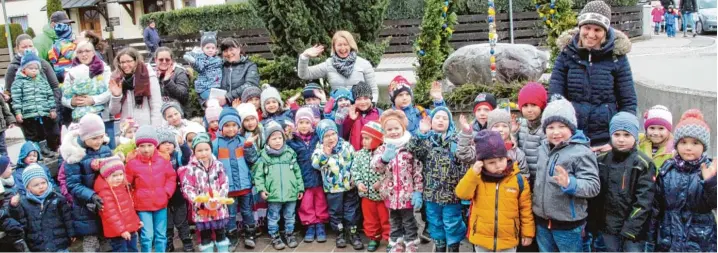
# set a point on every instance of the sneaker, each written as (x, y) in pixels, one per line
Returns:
(341, 241)
(425, 237)
(411, 246)
(311, 233)
(321, 234)
(373, 245)
(292, 240)
(395, 246)
(277, 242)
(439, 246)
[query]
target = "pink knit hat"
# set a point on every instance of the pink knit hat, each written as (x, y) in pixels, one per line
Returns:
(91, 126)
(658, 115)
(213, 110)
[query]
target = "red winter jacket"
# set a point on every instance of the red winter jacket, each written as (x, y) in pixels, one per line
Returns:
(353, 127)
(153, 180)
(118, 211)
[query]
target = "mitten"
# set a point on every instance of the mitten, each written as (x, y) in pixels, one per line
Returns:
(97, 201)
(389, 153)
(340, 115)
(329, 106)
(416, 200)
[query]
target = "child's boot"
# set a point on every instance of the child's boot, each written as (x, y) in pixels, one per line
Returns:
(292, 240)
(277, 241)
(373, 244)
(355, 239)
(207, 247)
(311, 233)
(395, 246)
(411, 246)
(223, 246)
(187, 245)
(21, 246)
(45, 150)
(321, 233)
(233, 237)
(454, 247)
(439, 246)
(341, 237)
(249, 233)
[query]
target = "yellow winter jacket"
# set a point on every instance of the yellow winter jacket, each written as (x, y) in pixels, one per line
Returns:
(499, 217)
(662, 155)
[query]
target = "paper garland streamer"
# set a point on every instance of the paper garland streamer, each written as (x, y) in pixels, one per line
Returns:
(493, 38)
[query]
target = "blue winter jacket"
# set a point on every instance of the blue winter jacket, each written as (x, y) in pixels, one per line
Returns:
(311, 176)
(48, 225)
(682, 210)
(237, 159)
(25, 150)
(598, 83)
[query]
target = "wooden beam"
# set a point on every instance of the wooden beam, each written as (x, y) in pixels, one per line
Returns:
(130, 8)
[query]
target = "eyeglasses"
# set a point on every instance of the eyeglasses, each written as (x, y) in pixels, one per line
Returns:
(164, 59)
(84, 51)
(126, 62)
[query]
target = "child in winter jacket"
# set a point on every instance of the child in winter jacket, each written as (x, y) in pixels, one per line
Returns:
(250, 124)
(62, 51)
(80, 148)
(79, 83)
(500, 217)
(360, 113)
(178, 155)
(483, 104)
(313, 208)
(273, 107)
(333, 157)
(153, 182)
(532, 101)
(686, 191)
(657, 17)
(566, 178)
(278, 179)
(208, 65)
(252, 95)
(34, 103)
(368, 182)
(402, 183)
(621, 211)
(402, 96)
(339, 98)
(437, 148)
(29, 154)
(120, 222)
(657, 141)
(204, 184)
(237, 154)
(14, 231)
(211, 115)
(43, 213)
(499, 120)
(670, 17)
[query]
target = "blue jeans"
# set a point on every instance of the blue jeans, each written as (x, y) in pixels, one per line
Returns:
(671, 30)
(3, 146)
(554, 240)
(657, 27)
(119, 244)
(110, 131)
(154, 230)
(616, 243)
(288, 211)
(445, 222)
(687, 18)
(245, 204)
(343, 208)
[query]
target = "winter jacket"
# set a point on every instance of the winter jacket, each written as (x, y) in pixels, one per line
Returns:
(236, 75)
(118, 209)
(43, 42)
(178, 159)
(32, 97)
(443, 164)
(199, 180)
(662, 154)
(281, 117)
(657, 15)
(364, 173)
(476, 127)
(415, 113)
(60, 56)
(529, 141)
(153, 182)
(147, 114)
(176, 88)
(336, 169)
(93, 87)
(363, 72)
(304, 150)
(237, 157)
(623, 206)
(279, 175)
(682, 208)
(689, 6)
(598, 83)
(565, 207)
(48, 225)
(25, 150)
(101, 99)
(11, 229)
(7, 118)
(500, 213)
(401, 177)
(151, 38)
(671, 17)
(209, 71)
(351, 129)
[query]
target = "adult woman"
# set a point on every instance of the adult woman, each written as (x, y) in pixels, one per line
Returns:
(237, 73)
(173, 78)
(96, 40)
(593, 73)
(134, 85)
(99, 74)
(24, 42)
(343, 69)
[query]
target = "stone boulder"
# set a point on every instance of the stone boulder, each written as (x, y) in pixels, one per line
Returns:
(470, 64)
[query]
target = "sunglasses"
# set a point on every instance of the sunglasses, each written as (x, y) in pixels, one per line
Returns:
(164, 59)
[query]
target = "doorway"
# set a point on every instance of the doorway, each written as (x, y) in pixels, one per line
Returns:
(90, 20)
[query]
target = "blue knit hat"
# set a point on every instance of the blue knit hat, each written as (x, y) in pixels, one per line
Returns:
(342, 92)
(29, 57)
(229, 114)
(626, 122)
(308, 91)
(324, 126)
(63, 31)
(451, 128)
(4, 163)
(31, 172)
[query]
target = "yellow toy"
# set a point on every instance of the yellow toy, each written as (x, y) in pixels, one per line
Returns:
(212, 203)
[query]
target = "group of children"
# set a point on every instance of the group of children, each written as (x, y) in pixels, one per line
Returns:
(530, 184)
(665, 19)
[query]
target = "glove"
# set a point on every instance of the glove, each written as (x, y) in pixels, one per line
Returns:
(189, 58)
(329, 106)
(389, 153)
(340, 115)
(97, 201)
(416, 200)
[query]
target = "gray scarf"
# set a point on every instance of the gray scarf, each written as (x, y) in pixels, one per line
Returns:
(344, 66)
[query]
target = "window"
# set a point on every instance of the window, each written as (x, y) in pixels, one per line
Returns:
(190, 3)
(21, 20)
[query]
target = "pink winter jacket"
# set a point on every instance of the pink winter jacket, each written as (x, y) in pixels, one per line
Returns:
(402, 177)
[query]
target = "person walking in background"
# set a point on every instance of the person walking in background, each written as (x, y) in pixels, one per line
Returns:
(657, 14)
(670, 17)
(151, 38)
(688, 7)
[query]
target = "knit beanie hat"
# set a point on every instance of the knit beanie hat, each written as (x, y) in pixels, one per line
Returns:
(31, 172)
(63, 31)
(489, 144)
(626, 122)
(451, 128)
(91, 126)
(270, 127)
(110, 165)
(595, 13)
(306, 113)
(658, 115)
(396, 115)
(375, 132)
(128, 123)
(201, 138)
(484, 99)
(171, 104)
(342, 92)
(165, 134)
(324, 126)
(560, 110)
(250, 92)
(229, 114)
(308, 91)
(4, 163)
(396, 86)
(208, 37)
(692, 124)
(363, 89)
(211, 113)
(29, 57)
(533, 93)
(146, 134)
(498, 116)
(246, 109)
(270, 92)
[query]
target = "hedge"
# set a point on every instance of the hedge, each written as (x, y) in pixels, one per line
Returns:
(225, 17)
(15, 30)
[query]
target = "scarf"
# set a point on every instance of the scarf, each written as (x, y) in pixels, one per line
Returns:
(399, 142)
(345, 66)
(40, 199)
(275, 152)
(306, 138)
(494, 177)
(689, 166)
(7, 182)
(97, 67)
(139, 82)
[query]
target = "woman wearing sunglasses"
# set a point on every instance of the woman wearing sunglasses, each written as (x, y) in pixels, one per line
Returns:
(174, 80)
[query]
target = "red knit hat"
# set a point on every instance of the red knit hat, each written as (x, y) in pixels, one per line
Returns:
(692, 124)
(374, 130)
(397, 85)
(533, 93)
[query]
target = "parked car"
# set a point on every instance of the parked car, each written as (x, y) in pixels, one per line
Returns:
(706, 16)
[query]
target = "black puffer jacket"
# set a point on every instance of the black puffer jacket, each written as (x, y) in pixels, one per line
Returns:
(48, 225)
(236, 75)
(176, 87)
(623, 207)
(689, 5)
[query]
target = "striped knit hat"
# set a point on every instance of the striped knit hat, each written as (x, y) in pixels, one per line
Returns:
(374, 130)
(693, 125)
(146, 134)
(658, 115)
(110, 165)
(31, 172)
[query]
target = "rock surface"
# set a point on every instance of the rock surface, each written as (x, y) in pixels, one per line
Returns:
(470, 64)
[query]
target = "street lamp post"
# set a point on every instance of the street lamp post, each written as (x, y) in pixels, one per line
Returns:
(511, 21)
(7, 30)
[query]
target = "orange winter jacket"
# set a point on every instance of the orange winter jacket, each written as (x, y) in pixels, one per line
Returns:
(499, 217)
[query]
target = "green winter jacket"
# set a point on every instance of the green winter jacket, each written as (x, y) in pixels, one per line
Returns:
(280, 176)
(43, 42)
(32, 97)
